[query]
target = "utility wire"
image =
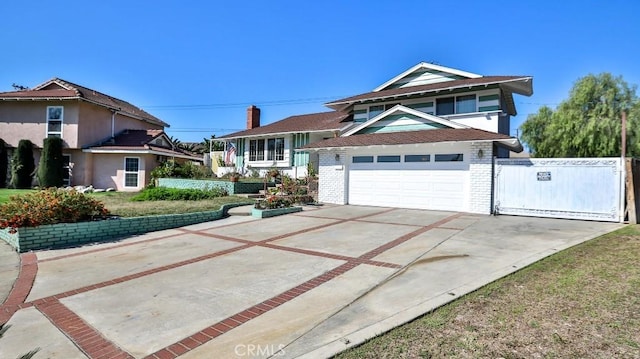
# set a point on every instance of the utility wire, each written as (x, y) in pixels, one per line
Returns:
(241, 104)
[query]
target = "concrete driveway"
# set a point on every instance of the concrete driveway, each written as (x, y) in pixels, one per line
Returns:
(309, 284)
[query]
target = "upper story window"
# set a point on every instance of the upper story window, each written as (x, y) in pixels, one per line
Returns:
(375, 110)
(55, 116)
(273, 147)
(378, 109)
(455, 104)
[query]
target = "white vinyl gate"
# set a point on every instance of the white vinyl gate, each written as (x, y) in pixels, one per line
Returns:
(575, 188)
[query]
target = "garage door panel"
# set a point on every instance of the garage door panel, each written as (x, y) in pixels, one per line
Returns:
(421, 189)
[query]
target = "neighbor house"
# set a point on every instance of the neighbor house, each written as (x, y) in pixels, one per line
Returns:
(423, 139)
(108, 142)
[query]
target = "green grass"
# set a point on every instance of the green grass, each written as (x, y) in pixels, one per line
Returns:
(583, 302)
(120, 204)
(5, 193)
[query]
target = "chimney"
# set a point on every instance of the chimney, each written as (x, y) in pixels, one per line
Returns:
(253, 117)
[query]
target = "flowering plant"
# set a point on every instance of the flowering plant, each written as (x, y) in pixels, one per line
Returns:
(49, 206)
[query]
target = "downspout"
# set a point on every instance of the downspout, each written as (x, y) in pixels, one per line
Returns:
(113, 123)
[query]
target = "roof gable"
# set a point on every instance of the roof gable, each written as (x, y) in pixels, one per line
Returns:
(141, 142)
(402, 119)
(425, 74)
(58, 89)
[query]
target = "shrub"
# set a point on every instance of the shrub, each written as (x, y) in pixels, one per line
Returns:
(174, 194)
(173, 169)
(272, 202)
(22, 165)
(51, 167)
(4, 162)
(49, 207)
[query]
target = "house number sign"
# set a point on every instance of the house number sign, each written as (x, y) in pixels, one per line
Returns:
(544, 176)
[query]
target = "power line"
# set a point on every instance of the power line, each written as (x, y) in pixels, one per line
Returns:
(241, 104)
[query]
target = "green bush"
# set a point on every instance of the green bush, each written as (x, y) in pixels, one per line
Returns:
(173, 194)
(4, 162)
(51, 167)
(49, 206)
(173, 169)
(22, 165)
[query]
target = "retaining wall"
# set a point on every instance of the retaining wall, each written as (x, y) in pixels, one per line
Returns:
(72, 234)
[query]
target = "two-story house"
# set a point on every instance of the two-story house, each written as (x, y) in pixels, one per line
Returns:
(423, 139)
(108, 142)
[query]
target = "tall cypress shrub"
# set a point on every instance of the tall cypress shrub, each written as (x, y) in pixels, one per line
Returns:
(22, 165)
(4, 162)
(50, 168)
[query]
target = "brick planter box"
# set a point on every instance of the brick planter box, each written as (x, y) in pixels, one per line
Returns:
(266, 213)
(73, 234)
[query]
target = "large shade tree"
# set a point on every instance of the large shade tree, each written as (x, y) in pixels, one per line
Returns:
(588, 123)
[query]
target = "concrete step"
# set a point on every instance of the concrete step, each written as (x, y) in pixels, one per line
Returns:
(250, 195)
(240, 211)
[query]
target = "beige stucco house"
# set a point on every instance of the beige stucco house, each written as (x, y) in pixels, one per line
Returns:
(108, 142)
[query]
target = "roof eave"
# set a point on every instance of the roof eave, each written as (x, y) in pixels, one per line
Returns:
(512, 144)
(526, 89)
(140, 152)
(268, 134)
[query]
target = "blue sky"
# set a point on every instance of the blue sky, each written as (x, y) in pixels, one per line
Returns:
(198, 64)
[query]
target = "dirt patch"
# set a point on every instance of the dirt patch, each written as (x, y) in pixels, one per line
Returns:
(581, 303)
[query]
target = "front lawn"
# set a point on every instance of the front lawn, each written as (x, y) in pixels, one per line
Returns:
(5, 193)
(583, 302)
(120, 204)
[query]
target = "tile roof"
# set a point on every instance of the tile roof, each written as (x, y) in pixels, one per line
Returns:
(134, 138)
(411, 137)
(138, 140)
(69, 90)
(323, 121)
(405, 91)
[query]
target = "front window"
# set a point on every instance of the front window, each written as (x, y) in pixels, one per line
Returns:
(274, 149)
(66, 172)
(256, 150)
(55, 116)
(131, 168)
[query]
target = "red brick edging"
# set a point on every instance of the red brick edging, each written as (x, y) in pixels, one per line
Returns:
(21, 287)
(84, 336)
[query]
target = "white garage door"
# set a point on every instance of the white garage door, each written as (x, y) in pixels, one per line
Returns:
(442, 185)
